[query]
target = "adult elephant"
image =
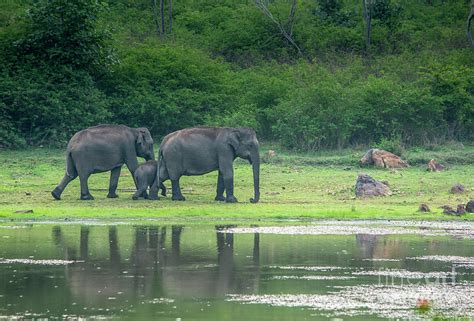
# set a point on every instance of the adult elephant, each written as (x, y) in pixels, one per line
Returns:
(200, 150)
(104, 148)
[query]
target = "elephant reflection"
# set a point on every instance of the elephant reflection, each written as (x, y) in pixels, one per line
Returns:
(153, 270)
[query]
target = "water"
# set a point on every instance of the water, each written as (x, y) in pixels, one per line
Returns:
(341, 270)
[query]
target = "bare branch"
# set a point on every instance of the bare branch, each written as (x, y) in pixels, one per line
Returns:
(288, 35)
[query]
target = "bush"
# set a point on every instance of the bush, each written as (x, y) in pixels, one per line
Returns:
(41, 106)
(393, 145)
(166, 88)
(314, 117)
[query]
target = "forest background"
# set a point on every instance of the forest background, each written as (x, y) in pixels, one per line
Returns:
(309, 75)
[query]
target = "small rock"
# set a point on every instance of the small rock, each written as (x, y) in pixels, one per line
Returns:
(28, 194)
(424, 208)
(448, 210)
(366, 186)
(347, 168)
(271, 153)
(460, 210)
(433, 166)
(470, 206)
(457, 189)
(24, 211)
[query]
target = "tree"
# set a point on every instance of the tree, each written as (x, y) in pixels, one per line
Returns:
(62, 32)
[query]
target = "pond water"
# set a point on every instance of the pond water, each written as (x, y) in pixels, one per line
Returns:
(326, 270)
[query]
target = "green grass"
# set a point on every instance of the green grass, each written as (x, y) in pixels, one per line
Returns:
(293, 186)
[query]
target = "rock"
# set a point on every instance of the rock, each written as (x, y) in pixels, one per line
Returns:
(470, 206)
(424, 208)
(382, 158)
(366, 186)
(457, 189)
(27, 193)
(24, 211)
(448, 210)
(433, 166)
(271, 153)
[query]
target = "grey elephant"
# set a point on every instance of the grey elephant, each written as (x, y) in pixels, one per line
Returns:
(104, 148)
(145, 176)
(200, 150)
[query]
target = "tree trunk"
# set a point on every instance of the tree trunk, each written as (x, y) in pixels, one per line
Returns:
(469, 19)
(162, 11)
(367, 14)
(155, 17)
(170, 13)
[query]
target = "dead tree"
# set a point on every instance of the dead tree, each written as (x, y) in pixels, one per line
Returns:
(469, 19)
(367, 14)
(286, 29)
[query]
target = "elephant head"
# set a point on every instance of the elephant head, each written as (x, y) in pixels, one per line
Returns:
(245, 144)
(144, 144)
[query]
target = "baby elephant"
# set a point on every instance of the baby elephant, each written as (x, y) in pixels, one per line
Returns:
(145, 175)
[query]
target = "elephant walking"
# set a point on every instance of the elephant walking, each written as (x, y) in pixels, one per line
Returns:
(200, 150)
(104, 148)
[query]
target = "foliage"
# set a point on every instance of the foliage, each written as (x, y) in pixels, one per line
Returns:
(44, 106)
(61, 32)
(71, 64)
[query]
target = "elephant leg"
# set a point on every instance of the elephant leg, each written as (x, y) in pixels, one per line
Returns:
(141, 192)
(114, 177)
(220, 188)
(56, 193)
(229, 189)
(85, 194)
(227, 169)
(177, 195)
(163, 189)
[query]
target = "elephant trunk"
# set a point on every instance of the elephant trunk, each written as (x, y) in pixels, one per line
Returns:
(256, 176)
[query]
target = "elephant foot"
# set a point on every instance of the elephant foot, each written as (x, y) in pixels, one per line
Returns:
(56, 195)
(219, 198)
(153, 196)
(87, 197)
(112, 195)
(134, 197)
(178, 198)
(231, 199)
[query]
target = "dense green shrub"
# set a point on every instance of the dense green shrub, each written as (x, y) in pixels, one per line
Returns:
(61, 32)
(42, 106)
(226, 63)
(167, 87)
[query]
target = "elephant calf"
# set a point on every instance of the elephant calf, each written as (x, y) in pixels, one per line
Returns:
(145, 176)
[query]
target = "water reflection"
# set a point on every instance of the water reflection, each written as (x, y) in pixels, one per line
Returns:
(123, 268)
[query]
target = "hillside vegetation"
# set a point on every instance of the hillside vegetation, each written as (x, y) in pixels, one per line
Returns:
(299, 72)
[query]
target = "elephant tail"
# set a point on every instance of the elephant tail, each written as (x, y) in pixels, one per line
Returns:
(158, 169)
(71, 170)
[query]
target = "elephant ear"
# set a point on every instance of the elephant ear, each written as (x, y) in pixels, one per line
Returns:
(234, 139)
(144, 137)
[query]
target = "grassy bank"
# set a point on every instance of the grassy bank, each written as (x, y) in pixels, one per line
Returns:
(303, 186)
